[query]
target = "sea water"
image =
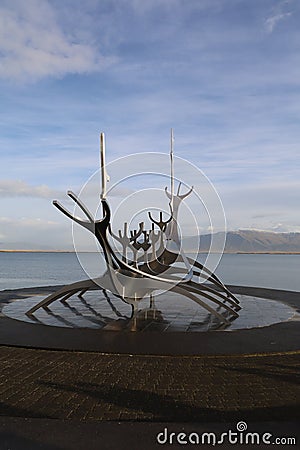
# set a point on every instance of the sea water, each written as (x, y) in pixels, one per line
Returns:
(22, 269)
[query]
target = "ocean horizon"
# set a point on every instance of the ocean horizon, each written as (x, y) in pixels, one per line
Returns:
(20, 269)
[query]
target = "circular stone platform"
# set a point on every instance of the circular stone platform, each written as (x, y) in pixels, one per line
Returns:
(268, 322)
(169, 313)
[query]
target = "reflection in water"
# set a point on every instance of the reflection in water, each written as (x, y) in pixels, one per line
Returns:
(163, 313)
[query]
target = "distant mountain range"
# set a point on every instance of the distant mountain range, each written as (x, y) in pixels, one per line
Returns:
(241, 241)
(252, 241)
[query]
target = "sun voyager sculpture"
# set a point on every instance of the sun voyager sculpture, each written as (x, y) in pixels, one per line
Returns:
(151, 261)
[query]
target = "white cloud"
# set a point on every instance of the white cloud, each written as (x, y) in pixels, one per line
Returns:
(278, 14)
(28, 222)
(283, 228)
(269, 206)
(272, 21)
(33, 45)
(34, 233)
(18, 188)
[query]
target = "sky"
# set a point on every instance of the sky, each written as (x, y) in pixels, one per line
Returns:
(224, 74)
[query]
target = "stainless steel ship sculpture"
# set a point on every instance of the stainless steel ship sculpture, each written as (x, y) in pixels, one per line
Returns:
(151, 260)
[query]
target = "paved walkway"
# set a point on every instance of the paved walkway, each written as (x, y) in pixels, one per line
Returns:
(78, 400)
(91, 386)
(90, 400)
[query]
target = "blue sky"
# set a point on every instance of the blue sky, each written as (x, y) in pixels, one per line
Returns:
(223, 73)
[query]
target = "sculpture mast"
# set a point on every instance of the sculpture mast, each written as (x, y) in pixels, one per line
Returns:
(104, 176)
(172, 169)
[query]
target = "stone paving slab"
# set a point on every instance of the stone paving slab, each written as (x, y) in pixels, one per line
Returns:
(93, 386)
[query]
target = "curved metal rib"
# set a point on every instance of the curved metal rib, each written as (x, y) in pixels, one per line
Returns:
(84, 223)
(190, 295)
(195, 289)
(212, 278)
(81, 205)
(74, 287)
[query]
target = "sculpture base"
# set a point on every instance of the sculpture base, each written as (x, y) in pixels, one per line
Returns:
(267, 322)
